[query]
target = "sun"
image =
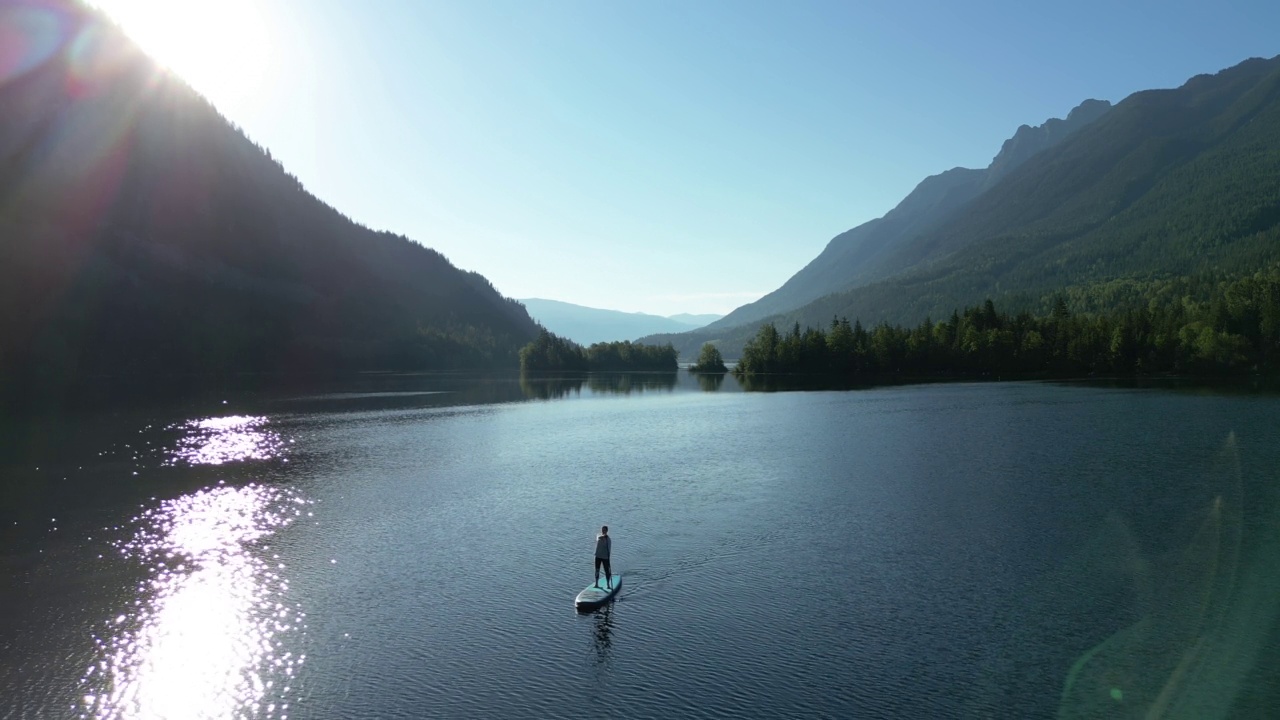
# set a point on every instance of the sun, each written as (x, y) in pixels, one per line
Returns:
(222, 48)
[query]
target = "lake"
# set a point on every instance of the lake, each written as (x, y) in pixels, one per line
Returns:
(406, 547)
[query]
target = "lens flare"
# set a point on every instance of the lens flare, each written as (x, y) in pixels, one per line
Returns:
(225, 50)
(30, 34)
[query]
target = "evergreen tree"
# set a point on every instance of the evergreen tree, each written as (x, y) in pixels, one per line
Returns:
(709, 360)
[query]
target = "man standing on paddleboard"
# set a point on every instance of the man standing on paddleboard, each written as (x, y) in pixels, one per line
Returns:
(603, 544)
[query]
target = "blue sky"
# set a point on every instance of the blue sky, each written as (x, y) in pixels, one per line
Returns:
(664, 157)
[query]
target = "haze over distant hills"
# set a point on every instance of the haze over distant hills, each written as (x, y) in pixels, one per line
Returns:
(586, 325)
(1167, 183)
(695, 320)
(144, 235)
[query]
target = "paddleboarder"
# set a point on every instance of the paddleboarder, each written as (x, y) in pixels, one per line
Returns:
(603, 545)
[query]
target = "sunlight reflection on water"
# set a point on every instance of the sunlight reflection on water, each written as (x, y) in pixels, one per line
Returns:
(206, 637)
(214, 441)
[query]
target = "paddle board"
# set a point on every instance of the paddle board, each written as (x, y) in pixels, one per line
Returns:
(596, 595)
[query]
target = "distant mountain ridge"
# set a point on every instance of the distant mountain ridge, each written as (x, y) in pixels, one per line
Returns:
(866, 254)
(144, 235)
(1180, 183)
(587, 325)
(695, 320)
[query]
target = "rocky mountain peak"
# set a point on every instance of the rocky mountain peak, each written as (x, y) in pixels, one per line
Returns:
(1028, 140)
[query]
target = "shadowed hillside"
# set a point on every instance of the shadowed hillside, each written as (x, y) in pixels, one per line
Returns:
(142, 234)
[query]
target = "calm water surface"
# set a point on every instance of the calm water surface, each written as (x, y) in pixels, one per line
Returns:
(411, 548)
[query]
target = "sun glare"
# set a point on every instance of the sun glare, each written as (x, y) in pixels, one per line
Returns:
(221, 48)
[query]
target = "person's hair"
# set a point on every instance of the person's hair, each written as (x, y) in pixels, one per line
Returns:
(604, 529)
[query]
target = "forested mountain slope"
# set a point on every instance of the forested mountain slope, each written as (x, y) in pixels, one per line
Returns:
(869, 252)
(142, 233)
(1169, 183)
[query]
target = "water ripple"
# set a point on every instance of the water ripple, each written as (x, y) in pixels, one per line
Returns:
(218, 440)
(210, 633)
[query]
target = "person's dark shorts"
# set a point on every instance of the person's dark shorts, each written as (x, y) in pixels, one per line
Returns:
(605, 563)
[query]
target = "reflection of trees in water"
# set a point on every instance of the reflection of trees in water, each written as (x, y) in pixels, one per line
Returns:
(554, 387)
(710, 381)
(549, 387)
(783, 383)
(627, 383)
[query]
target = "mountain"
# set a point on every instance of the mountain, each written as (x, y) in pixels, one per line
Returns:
(1028, 141)
(695, 321)
(144, 235)
(586, 325)
(866, 253)
(1181, 183)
